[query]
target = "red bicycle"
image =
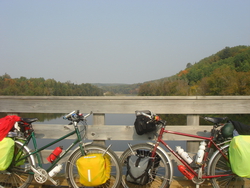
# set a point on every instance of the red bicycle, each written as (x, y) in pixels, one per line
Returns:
(214, 164)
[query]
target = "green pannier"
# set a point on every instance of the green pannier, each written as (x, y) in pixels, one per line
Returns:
(227, 130)
(6, 153)
(239, 152)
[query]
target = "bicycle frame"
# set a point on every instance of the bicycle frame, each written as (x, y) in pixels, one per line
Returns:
(37, 151)
(209, 145)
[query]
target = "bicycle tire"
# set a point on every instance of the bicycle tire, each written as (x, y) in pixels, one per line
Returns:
(162, 175)
(219, 166)
(17, 174)
(72, 175)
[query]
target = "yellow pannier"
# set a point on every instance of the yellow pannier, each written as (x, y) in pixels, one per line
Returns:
(6, 153)
(239, 151)
(94, 169)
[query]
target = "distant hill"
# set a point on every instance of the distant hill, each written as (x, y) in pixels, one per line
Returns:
(225, 73)
(199, 78)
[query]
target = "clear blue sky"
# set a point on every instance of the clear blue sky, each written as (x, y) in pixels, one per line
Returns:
(115, 41)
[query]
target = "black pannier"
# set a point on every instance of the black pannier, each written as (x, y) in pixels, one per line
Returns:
(241, 128)
(143, 124)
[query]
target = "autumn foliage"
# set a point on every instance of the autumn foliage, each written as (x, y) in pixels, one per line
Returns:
(40, 87)
(225, 73)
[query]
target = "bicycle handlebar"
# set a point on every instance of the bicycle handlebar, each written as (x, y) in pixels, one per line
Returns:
(76, 116)
(68, 115)
(149, 116)
(87, 115)
(217, 121)
(155, 118)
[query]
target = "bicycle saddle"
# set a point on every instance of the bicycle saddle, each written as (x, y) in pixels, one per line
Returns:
(215, 120)
(29, 120)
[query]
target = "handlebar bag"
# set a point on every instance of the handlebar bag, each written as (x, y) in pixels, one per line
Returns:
(94, 169)
(6, 153)
(143, 124)
(239, 152)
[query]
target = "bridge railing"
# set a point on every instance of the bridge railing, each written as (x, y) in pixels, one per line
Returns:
(192, 106)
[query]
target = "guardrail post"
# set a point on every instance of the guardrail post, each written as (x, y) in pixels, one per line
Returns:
(99, 119)
(193, 120)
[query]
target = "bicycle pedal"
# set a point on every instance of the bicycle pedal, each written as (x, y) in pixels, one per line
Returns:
(55, 182)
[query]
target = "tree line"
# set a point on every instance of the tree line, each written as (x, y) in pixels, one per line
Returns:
(40, 87)
(119, 89)
(225, 73)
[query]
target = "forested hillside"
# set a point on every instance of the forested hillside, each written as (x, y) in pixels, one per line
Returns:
(225, 73)
(41, 87)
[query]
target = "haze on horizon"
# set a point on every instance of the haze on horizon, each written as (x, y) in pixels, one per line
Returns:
(115, 41)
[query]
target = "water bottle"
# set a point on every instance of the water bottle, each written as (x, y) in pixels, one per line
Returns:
(55, 170)
(54, 154)
(200, 153)
(184, 154)
(185, 172)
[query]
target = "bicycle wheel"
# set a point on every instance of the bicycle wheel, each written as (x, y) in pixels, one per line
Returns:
(17, 175)
(219, 166)
(162, 174)
(72, 173)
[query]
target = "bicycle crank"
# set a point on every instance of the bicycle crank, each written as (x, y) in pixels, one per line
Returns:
(198, 180)
(41, 176)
